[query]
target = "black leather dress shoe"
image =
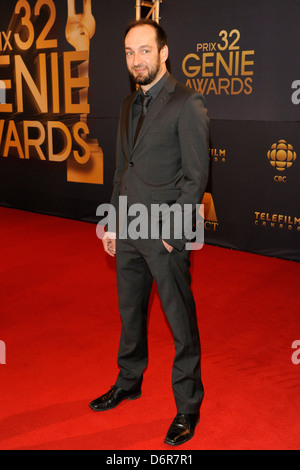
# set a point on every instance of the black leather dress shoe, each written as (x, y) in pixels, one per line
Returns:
(182, 428)
(113, 397)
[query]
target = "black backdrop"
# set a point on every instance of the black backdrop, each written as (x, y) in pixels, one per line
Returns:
(243, 56)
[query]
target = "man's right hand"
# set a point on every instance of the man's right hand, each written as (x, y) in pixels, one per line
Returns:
(109, 243)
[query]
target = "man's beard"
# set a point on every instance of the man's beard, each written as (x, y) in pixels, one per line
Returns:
(149, 77)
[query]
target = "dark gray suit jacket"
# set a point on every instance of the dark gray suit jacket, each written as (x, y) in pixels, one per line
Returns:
(169, 162)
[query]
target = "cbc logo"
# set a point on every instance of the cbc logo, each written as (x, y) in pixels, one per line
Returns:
(280, 179)
(281, 156)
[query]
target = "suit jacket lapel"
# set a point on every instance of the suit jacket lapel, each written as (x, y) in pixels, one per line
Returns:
(158, 104)
(126, 124)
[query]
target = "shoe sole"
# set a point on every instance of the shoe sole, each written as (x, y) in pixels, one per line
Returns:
(171, 443)
(130, 398)
(134, 397)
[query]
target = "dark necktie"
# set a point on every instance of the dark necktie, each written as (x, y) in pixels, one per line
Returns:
(144, 100)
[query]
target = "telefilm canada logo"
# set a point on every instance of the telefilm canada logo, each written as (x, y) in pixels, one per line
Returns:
(44, 91)
(274, 220)
(217, 155)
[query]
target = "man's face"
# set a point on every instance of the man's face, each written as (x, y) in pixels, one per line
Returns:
(145, 64)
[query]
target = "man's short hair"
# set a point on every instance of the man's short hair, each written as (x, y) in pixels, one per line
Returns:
(161, 35)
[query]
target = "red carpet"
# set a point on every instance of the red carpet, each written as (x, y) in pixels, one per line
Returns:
(60, 324)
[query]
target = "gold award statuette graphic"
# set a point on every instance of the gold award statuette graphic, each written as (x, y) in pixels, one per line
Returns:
(210, 216)
(281, 156)
(44, 93)
(80, 28)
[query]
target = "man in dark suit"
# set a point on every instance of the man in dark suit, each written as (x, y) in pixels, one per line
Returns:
(163, 161)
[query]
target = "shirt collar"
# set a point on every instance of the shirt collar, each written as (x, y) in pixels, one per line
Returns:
(154, 91)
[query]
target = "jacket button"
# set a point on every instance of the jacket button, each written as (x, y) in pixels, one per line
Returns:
(131, 163)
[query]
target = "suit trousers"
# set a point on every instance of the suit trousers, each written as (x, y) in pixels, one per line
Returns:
(139, 262)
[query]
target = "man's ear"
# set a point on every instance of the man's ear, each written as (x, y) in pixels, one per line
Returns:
(164, 54)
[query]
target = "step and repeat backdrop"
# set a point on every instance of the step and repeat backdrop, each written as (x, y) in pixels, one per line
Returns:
(63, 77)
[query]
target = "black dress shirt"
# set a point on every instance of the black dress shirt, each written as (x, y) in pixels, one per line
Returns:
(137, 106)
